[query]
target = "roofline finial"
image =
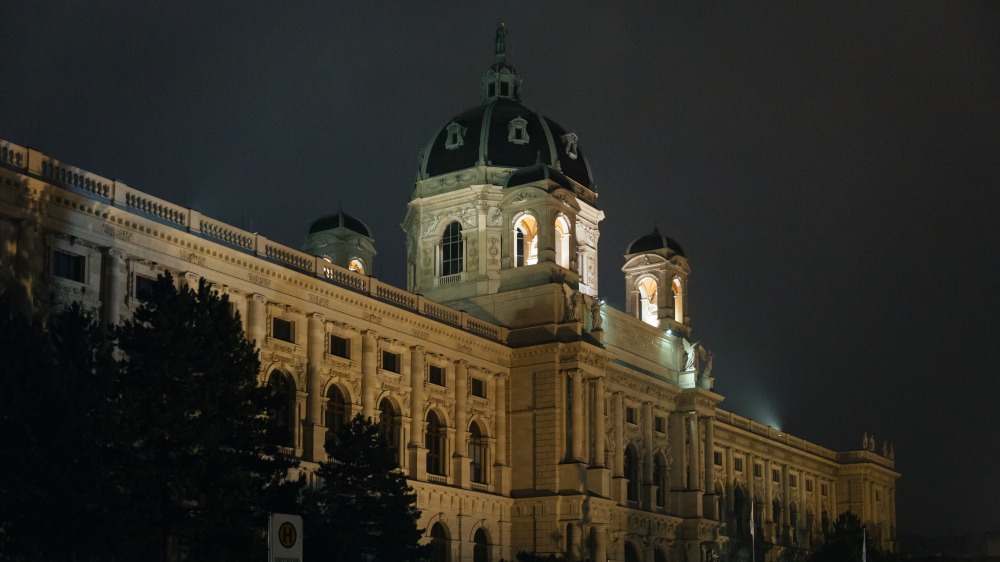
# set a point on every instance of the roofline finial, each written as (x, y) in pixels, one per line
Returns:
(500, 48)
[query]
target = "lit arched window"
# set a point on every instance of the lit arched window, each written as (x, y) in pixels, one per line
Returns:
(439, 544)
(678, 300)
(452, 250)
(632, 472)
(646, 295)
(436, 444)
(562, 241)
(389, 423)
(356, 265)
(337, 413)
(477, 453)
(526, 241)
(481, 546)
(279, 410)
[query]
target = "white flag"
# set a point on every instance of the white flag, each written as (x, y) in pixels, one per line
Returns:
(864, 545)
(752, 532)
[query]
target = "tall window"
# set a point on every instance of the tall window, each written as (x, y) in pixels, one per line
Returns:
(279, 410)
(452, 250)
(647, 306)
(562, 241)
(337, 410)
(776, 517)
(388, 423)
(436, 444)
(481, 546)
(678, 300)
(659, 478)
(439, 543)
(793, 521)
(526, 241)
(477, 453)
(632, 472)
(68, 266)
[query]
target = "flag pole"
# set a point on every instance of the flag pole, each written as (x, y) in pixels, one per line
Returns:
(753, 532)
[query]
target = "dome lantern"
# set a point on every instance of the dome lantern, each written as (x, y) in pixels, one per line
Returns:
(501, 80)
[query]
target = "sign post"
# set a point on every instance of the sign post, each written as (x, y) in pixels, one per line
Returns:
(284, 538)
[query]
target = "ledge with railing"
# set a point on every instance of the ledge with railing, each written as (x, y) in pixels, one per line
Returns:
(117, 194)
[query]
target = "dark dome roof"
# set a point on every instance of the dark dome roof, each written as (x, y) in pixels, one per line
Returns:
(537, 172)
(339, 219)
(652, 242)
(485, 134)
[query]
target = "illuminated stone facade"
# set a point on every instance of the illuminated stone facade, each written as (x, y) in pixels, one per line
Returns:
(528, 416)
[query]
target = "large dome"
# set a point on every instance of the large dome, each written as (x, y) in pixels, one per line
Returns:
(503, 132)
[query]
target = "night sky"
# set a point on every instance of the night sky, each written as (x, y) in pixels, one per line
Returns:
(831, 170)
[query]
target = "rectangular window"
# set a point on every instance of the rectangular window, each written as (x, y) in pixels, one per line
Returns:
(738, 465)
(775, 475)
(717, 458)
(341, 347)
(758, 470)
(630, 415)
(793, 480)
(878, 495)
(283, 330)
(809, 485)
(660, 424)
(478, 387)
(436, 375)
(391, 362)
(68, 266)
(144, 288)
(823, 489)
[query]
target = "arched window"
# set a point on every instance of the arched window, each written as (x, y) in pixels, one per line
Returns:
(647, 306)
(279, 411)
(439, 544)
(758, 517)
(776, 518)
(436, 445)
(741, 513)
(658, 556)
(526, 241)
(810, 526)
(388, 423)
(793, 522)
(825, 521)
(477, 453)
(678, 300)
(480, 546)
(631, 554)
(356, 265)
(562, 241)
(570, 542)
(337, 413)
(632, 472)
(659, 478)
(452, 250)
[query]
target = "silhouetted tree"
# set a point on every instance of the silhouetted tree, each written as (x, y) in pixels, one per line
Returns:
(363, 508)
(843, 543)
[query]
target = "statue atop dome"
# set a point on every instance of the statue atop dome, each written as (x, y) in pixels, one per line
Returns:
(501, 41)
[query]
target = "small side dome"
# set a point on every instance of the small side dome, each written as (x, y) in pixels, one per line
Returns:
(652, 242)
(339, 219)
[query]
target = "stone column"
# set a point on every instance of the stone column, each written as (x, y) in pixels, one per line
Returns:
(315, 433)
(501, 405)
(619, 413)
(415, 449)
(648, 485)
(369, 372)
(711, 507)
(461, 472)
(693, 453)
(416, 396)
(114, 285)
(599, 445)
(257, 319)
(576, 411)
(677, 431)
(191, 280)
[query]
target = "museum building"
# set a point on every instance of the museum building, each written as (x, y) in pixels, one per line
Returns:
(526, 414)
